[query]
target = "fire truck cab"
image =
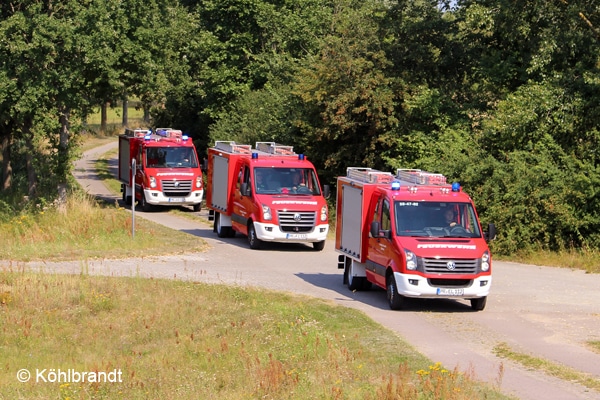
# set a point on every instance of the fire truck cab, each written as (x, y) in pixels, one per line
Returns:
(413, 235)
(167, 171)
(270, 194)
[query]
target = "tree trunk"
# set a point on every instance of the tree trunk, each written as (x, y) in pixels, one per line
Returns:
(64, 159)
(103, 117)
(31, 175)
(125, 111)
(6, 161)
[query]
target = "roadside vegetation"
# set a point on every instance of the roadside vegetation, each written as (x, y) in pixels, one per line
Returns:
(503, 350)
(187, 340)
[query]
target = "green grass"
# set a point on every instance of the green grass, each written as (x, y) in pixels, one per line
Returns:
(548, 367)
(87, 229)
(186, 340)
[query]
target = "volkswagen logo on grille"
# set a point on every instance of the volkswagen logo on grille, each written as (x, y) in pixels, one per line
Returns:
(451, 265)
(297, 217)
(176, 184)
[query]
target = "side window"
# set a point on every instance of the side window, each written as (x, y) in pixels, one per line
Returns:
(386, 223)
(238, 184)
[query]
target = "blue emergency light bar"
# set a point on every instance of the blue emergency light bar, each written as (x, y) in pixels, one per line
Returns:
(396, 185)
(456, 187)
(254, 156)
(301, 157)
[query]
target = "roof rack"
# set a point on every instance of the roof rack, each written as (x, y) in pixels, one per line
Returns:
(233, 147)
(368, 175)
(169, 133)
(137, 132)
(276, 149)
(420, 177)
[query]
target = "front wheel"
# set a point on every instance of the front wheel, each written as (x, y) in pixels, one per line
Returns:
(395, 300)
(197, 207)
(478, 304)
(318, 246)
(253, 240)
(145, 206)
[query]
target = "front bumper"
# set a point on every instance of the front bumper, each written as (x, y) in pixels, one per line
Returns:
(272, 233)
(412, 285)
(157, 198)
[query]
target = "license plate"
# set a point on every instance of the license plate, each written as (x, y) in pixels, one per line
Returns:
(175, 199)
(450, 292)
(296, 236)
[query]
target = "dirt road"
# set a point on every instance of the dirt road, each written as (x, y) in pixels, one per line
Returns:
(544, 312)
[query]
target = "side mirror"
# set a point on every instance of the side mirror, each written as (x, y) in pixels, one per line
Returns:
(326, 191)
(491, 233)
(374, 229)
(204, 165)
(245, 189)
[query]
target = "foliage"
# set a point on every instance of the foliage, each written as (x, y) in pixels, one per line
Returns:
(477, 90)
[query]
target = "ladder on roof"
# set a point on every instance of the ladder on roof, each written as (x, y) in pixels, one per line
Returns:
(275, 149)
(368, 175)
(419, 177)
(233, 147)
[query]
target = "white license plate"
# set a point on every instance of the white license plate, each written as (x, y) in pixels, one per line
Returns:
(176, 199)
(450, 292)
(296, 236)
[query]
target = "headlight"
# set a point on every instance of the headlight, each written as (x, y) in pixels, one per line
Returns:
(324, 212)
(266, 213)
(198, 181)
(411, 260)
(152, 182)
(485, 261)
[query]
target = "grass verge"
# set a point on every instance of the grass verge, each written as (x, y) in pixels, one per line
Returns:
(185, 340)
(87, 229)
(559, 371)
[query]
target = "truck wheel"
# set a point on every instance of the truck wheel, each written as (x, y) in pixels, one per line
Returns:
(357, 282)
(395, 300)
(222, 231)
(478, 304)
(145, 206)
(253, 241)
(318, 246)
(197, 207)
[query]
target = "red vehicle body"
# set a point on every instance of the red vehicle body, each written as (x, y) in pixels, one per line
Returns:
(412, 235)
(167, 169)
(270, 194)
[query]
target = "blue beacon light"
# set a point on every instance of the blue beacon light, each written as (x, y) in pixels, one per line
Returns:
(254, 156)
(396, 185)
(301, 157)
(456, 187)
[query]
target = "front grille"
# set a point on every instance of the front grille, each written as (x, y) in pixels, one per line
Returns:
(176, 188)
(450, 283)
(457, 266)
(296, 221)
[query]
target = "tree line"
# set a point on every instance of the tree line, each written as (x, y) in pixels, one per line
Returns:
(499, 95)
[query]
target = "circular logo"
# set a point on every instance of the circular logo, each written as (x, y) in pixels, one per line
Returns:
(451, 265)
(23, 375)
(297, 217)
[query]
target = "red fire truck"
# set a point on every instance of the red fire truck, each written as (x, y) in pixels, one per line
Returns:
(167, 169)
(413, 235)
(270, 194)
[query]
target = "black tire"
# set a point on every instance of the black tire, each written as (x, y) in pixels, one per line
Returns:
(356, 282)
(222, 231)
(144, 204)
(197, 207)
(478, 304)
(395, 300)
(318, 246)
(253, 241)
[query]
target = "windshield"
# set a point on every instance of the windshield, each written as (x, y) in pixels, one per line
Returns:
(171, 157)
(299, 181)
(436, 219)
